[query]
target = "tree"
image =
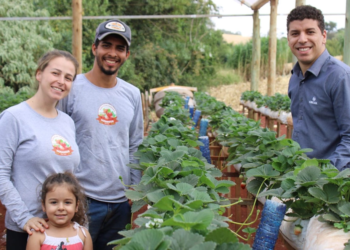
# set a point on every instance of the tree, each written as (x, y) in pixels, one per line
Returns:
(163, 51)
(331, 28)
(22, 43)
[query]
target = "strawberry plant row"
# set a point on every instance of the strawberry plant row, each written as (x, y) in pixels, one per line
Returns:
(181, 190)
(279, 168)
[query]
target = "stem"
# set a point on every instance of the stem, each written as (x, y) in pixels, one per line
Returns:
(232, 204)
(251, 212)
(246, 224)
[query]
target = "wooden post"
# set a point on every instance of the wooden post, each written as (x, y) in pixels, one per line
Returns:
(346, 56)
(271, 80)
(77, 26)
(297, 3)
(255, 74)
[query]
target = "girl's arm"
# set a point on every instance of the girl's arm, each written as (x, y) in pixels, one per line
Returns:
(88, 241)
(35, 240)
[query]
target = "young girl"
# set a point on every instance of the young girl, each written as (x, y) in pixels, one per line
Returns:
(38, 140)
(64, 203)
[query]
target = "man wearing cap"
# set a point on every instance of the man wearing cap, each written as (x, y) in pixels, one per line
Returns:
(107, 112)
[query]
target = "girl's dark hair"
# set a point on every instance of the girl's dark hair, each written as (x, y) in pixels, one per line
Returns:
(306, 12)
(69, 179)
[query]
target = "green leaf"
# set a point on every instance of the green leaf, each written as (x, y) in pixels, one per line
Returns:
(308, 176)
(134, 195)
(183, 239)
(156, 195)
(330, 217)
(160, 138)
(174, 142)
(345, 209)
(249, 230)
(204, 246)
(186, 163)
(184, 188)
(165, 203)
(147, 239)
(272, 192)
(287, 184)
(233, 246)
(254, 185)
(221, 235)
(329, 194)
(122, 241)
(137, 205)
(251, 165)
(307, 163)
(205, 180)
(343, 174)
(194, 204)
(195, 220)
(265, 171)
(190, 179)
(204, 197)
(223, 190)
(225, 183)
(133, 246)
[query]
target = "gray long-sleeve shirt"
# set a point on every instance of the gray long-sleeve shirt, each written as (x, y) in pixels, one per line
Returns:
(109, 129)
(320, 105)
(32, 148)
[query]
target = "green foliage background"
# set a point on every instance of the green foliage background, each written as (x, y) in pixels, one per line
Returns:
(184, 51)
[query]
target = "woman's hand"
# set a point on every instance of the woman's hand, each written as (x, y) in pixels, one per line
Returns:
(36, 223)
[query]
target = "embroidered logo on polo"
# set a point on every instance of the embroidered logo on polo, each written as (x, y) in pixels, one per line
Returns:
(115, 26)
(107, 115)
(313, 101)
(61, 146)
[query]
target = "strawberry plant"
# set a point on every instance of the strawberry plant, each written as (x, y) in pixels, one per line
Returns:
(183, 192)
(280, 168)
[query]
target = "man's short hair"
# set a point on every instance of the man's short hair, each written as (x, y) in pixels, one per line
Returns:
(306, 12)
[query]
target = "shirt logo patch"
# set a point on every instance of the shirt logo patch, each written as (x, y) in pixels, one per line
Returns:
(107, 115)
(115, 26)
(61, 146)
(313, 101)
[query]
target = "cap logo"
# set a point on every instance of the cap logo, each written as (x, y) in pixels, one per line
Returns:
(115, 26)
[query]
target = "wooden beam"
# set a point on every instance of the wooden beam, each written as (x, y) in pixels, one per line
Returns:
(258, 4)
(346, 56)
(255, 71)
(271, 79)
(245, 3)
(300, 2)
(77, 41)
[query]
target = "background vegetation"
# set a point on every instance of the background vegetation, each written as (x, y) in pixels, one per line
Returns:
(183, 51)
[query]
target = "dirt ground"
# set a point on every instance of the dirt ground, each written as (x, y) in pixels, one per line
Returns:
(231, 94)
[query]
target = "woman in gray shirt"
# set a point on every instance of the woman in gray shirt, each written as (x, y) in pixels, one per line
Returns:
(37, 140)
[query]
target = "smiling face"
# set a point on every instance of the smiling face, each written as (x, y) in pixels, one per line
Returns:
(306, 41)
(60, 205)
(110, 54)
(55, 81)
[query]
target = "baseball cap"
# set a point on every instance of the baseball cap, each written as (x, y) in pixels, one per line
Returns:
(113, 27)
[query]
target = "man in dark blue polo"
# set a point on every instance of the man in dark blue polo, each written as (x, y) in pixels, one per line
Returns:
(319, 90)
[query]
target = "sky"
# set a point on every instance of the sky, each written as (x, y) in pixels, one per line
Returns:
(244, 25)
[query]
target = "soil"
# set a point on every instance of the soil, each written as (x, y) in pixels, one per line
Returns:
(231, 94)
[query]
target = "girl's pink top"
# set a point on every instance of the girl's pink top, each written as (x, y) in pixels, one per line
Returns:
(69, 243)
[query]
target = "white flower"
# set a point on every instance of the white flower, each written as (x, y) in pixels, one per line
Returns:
(158, 220)
(150, 224)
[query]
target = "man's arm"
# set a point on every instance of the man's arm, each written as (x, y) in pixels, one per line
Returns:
(135, 139)
(341, 105)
